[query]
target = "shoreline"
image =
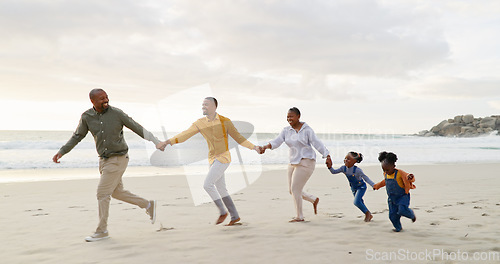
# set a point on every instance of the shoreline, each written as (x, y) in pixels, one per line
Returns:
(69, 174)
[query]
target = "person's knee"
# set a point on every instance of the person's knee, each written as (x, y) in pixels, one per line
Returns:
(115, 194)
(296, 193)
(103, 196)
(208, 186)
(296, 188)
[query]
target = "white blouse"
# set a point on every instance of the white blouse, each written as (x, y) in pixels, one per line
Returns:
(300, 143)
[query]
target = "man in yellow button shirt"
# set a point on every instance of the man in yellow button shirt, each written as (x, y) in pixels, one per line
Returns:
(215, 129)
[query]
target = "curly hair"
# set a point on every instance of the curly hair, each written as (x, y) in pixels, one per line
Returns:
(387, 157)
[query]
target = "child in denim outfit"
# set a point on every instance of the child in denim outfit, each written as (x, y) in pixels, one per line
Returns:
(356, 179)
(398, 184)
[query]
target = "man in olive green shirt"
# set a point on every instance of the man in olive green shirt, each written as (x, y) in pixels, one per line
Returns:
(215, 129)
(106, 124)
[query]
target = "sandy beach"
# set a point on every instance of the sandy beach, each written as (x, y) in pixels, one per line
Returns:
(457, 208)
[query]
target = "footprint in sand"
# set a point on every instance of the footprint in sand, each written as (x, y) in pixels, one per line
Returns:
(31, 210)
(76, 206)
(485, 214)
(429, 211)
(478, 207)
(37, 210)
(339, 215)
(161, 229)
(181, 198)
(40, 214)
(380, 212)
(434, 223)
(454, 218)
(460, 203)
(497, 249)
(447, 205)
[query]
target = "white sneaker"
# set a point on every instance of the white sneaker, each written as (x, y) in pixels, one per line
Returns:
(97, 237)
(151, 211)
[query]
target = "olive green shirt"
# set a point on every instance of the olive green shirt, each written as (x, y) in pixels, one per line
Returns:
(107, 129)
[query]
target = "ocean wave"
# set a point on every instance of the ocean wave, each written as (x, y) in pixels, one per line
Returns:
(30, 151)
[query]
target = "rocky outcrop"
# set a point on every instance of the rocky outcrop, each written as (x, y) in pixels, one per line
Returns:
(464, 126)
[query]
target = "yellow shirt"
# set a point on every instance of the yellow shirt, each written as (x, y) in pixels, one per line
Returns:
(401, 178)
(215, 133)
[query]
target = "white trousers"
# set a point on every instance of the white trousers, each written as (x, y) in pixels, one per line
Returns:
(298, 175)
(215, 183)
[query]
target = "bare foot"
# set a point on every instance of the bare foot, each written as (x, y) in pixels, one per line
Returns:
(315, 205)
(233, 222)
(368, 217)
(221, 219)
(294, 220)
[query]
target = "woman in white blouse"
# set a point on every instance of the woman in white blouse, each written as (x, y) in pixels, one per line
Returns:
(300, 138)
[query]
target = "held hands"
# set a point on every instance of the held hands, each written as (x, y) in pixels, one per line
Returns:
(262, 149)
(268, 146)
(258, 149)
(328, 162)
(161, 146)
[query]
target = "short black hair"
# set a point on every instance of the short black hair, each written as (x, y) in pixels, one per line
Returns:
(213, 99)
(295, 110)
(94, 91)
(357, 156)
(388, 157)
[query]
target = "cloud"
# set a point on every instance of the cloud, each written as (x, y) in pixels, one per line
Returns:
(65, 46)
(51, 19)
(321, 37)
(159, 47)
(454, 88)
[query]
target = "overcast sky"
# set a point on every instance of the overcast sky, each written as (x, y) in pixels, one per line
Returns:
(358, 66)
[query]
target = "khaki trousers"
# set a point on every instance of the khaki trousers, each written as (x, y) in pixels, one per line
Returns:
(298, 175)
(110, 185)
